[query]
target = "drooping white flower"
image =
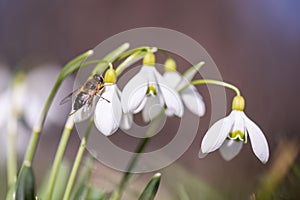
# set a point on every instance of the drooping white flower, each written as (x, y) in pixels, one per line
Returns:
(108, 115)
(148, 87)
(231, 132)
(190, 96)
(39, 82)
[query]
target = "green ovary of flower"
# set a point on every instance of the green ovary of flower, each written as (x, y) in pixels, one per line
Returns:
(151, 91)
(238, 136)
(110, 76)
(170, 65)
(149, 59)
(238, 103)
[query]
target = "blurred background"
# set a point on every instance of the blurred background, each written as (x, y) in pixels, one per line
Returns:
(255, 44)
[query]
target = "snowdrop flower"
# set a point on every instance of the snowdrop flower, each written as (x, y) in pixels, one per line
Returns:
(231, 132)
(190, 96)
(148, 88)
(39, 82)
(12, 107)
(108, 114)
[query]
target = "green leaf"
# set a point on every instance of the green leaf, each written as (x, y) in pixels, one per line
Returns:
(61, 180)
(110, 58)
(95, 194)
(81, 187)
(151, 188)
(25, 184)
(188, 76)
(74, 65)
(130, 60)
(192, 71)
(182, 193)
(11, 194)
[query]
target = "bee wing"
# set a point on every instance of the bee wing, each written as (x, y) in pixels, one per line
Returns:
(86, 111)
(68, 97)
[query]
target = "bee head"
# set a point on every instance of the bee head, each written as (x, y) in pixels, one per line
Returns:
(99, 78)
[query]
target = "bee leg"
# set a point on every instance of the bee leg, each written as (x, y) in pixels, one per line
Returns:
(108, 101)
(105, 99)
(72, 112)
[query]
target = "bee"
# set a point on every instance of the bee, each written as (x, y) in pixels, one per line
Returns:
(86, 93)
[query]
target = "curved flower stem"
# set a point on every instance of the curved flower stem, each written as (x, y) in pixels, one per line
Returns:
(133, 56)
(213, 82)
(117, 194)
(133, 51)
(37, 129)
(59, 155)
(101, 65)
(78, 160)
(66, 71)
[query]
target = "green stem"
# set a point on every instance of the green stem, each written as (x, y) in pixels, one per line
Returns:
(59, 155)
(117, 194)
(101, 65)
(213, 82)
(78, 160)
(110, 58)
(132, 51)
(35, 136)
(37, 129)
(11, 149)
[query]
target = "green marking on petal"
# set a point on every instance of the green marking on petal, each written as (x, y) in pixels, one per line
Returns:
(238, 136)
(151, 91)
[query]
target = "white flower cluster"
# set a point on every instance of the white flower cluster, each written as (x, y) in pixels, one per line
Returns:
(146, 89)
(170, 91)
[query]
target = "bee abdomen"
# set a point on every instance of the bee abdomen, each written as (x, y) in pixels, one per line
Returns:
(80, 100)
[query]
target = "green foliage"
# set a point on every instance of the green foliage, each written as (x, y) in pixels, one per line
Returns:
(151, 188)
(25, 184)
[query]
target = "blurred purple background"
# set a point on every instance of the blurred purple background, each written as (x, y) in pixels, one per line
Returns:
(255, 44)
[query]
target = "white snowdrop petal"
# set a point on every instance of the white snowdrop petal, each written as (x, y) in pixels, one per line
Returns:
(239, 124)
(201, 154)
(193, 101)
(18, 97)
(230, 149)
(134, 92)
(33, 110)
(172, 100)
(216, 135)
(5, 105)
(126, 121)
(141, 106)
(127, 118)
(170, 96)
(259, 143)
(108, 114)
(152, 109)
(173, 78)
